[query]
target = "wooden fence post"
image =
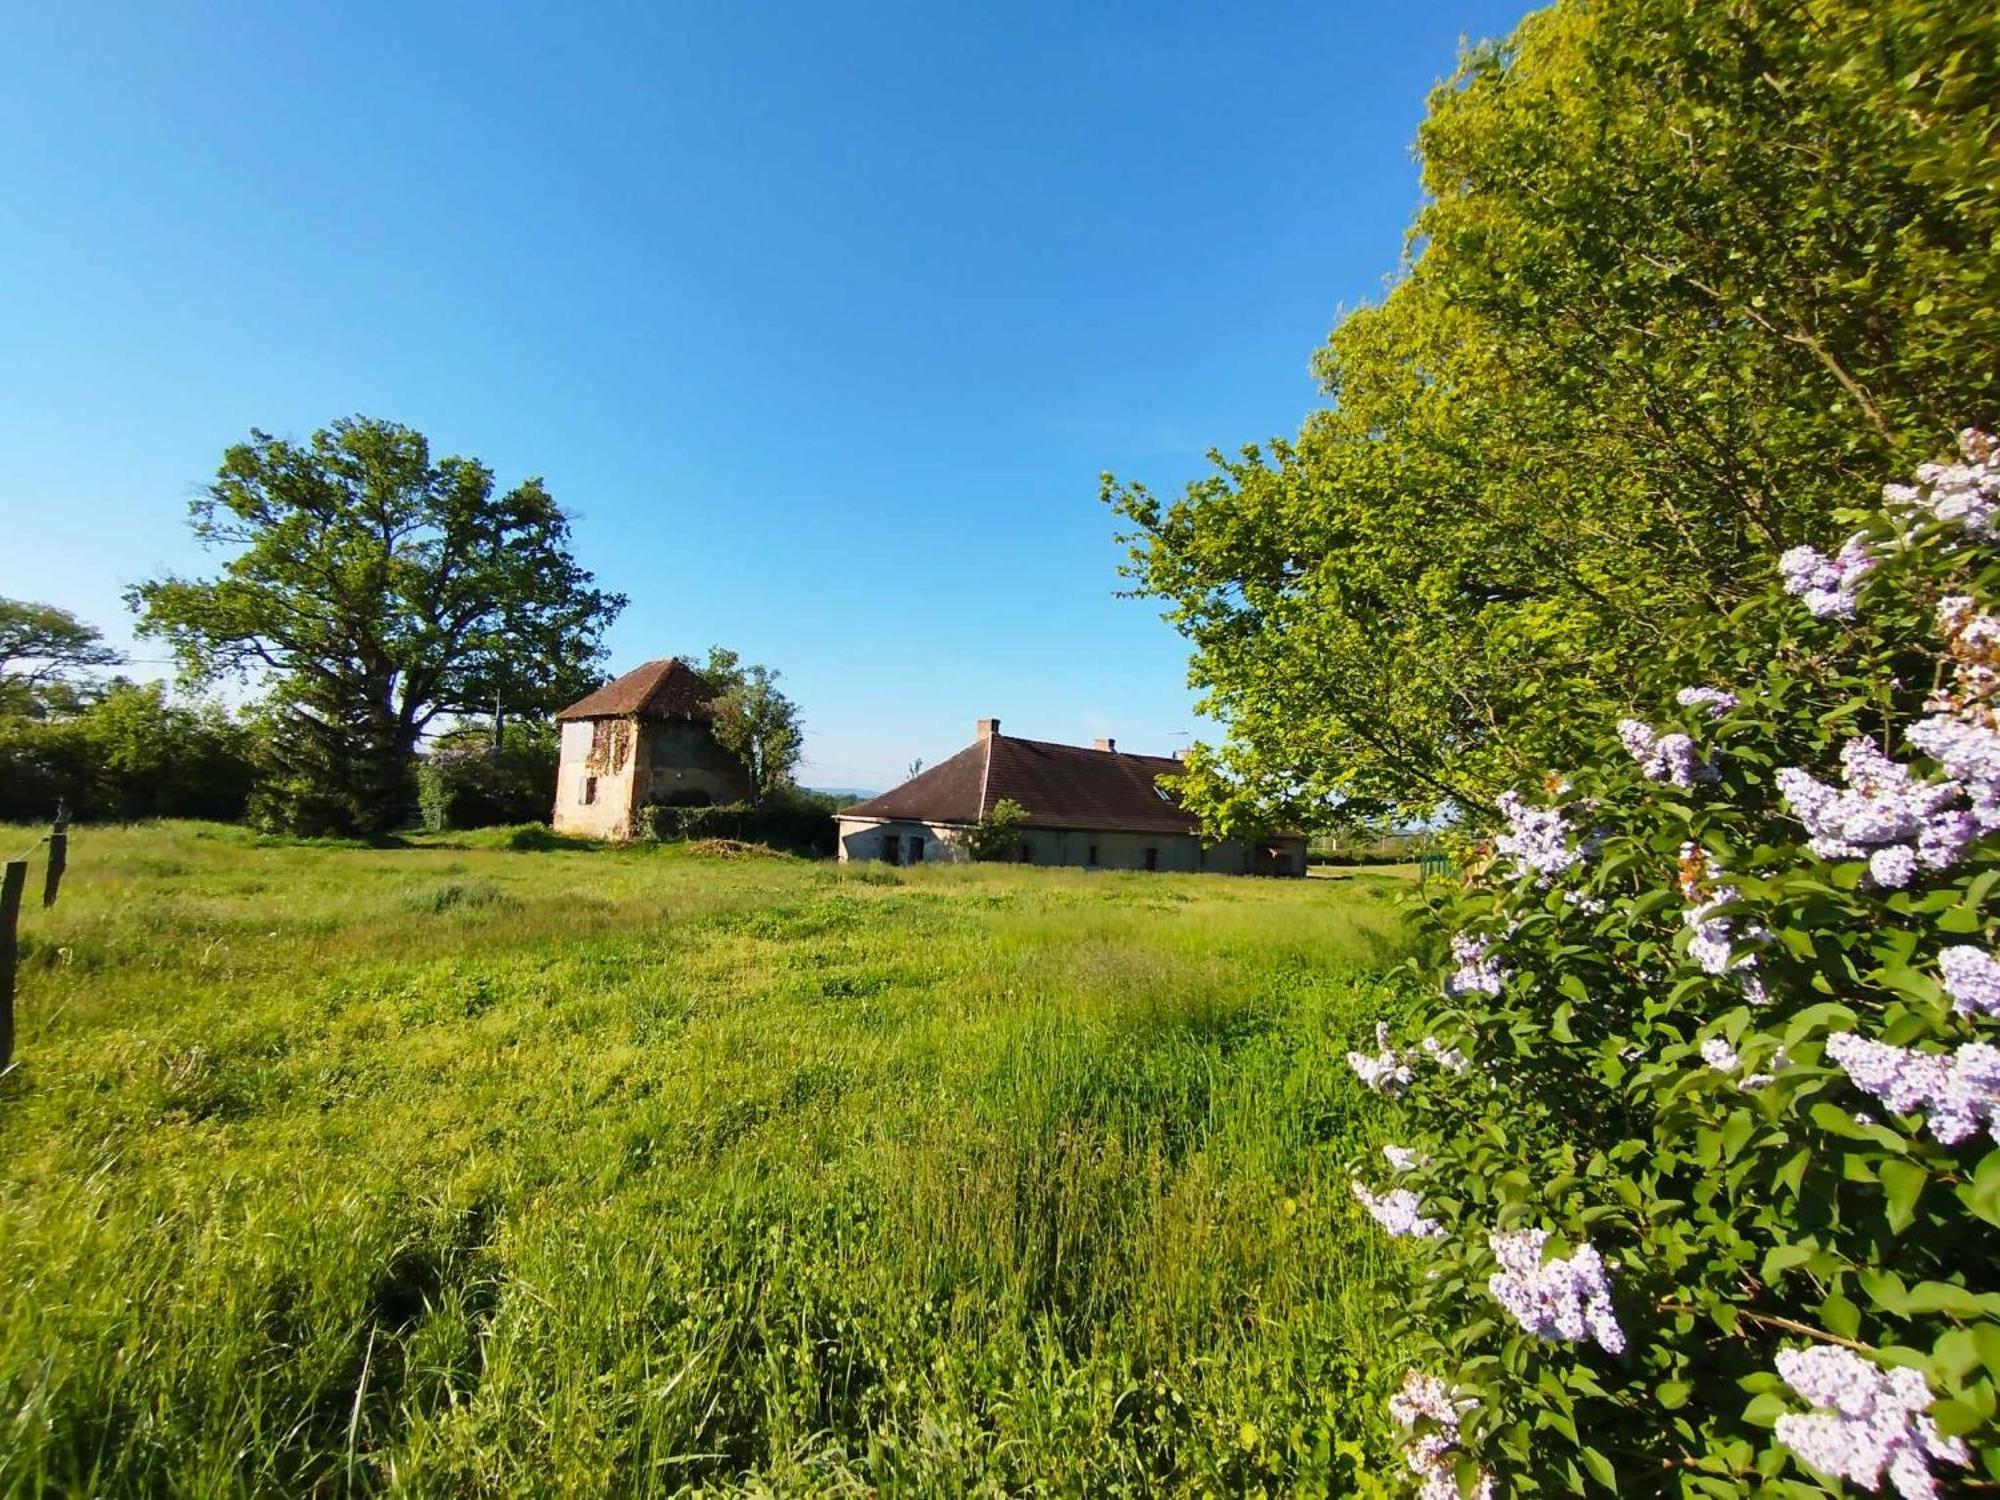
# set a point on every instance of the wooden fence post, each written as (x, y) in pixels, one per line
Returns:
(10, 952)
(58, 857)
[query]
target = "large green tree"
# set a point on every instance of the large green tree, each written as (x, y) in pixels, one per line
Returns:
(1687, 278)
(44, 651)
(755, 720)
(376, 589)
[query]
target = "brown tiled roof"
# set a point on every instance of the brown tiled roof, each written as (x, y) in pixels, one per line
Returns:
(666, 689)
(1061, 786)
(949, 792)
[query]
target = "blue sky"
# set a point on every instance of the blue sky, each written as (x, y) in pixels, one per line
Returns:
(821, 320)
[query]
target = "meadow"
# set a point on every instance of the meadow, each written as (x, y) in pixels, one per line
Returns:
(492, 1166)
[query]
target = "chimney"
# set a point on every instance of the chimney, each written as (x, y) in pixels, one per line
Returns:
(1104, 744)
(1181, 754)
(989, 729)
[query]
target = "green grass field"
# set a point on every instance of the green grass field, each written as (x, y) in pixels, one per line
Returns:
(477, 1170)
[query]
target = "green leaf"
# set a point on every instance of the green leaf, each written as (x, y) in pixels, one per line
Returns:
(1840, 1316)
(1764, 1410)
(1982, 1193)
(1782, 1258)
(1956, 1418)
(1600, 1468)
(1903, 1182)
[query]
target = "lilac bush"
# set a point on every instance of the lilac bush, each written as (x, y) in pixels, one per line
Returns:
(1701, 1121)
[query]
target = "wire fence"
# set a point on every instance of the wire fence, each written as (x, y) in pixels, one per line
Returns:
(13, 885)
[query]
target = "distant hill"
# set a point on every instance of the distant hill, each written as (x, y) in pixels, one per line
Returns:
(845, 793)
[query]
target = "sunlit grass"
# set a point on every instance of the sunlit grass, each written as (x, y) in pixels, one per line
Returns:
(462, 1168)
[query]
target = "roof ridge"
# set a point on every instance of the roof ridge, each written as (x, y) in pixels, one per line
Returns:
(1090, 749)
(985, 772)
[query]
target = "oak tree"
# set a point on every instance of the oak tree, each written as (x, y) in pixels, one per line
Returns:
(375, 590)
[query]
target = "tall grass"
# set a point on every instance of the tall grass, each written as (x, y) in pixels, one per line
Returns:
(481, 1170)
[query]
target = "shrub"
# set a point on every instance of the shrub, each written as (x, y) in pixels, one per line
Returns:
(463, 782)
(129, 754)
(780, 822)
(997, 836)
(1700, 1138)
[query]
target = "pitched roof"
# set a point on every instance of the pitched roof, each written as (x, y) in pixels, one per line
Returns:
(1061, 786)
(952, 791)
(665, 689)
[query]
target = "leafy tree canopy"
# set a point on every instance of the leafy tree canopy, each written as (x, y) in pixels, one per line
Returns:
(376, 589)
(41, 648)
(1688, 278)
(755, 721)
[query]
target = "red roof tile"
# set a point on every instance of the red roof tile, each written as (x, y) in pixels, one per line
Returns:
(666, 689)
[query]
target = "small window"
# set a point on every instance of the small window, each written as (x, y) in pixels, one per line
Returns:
(916, 847)
(589, 790)
(1152, 859)
(1162, 793)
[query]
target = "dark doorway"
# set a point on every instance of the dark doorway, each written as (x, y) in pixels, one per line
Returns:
(892, 848)
(1152, 859)
(916, 848)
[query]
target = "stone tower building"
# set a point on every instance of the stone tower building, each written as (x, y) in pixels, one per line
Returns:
(645, 738)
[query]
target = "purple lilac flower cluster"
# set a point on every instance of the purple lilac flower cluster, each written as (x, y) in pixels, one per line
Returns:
(1478, 972)
(1715, 939)
(1961, 733)
(1828, 585)
(1537, 839)
(1431, 1453)
(1449, 1058)
(1403, 1158)
(1664, 757)
(1386, 1071)
(1566, 1298)
(1970, 754)
(1972, 978)
(1722, 1057)
(1399, 1211)
(1972, 638)
(1958, 1091)
(1882, 815)
(1965, 495)
(1875, 1420)
(1715, 702)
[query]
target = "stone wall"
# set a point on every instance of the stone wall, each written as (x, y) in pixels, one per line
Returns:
(682, 765)
(596, 779)
(610, 768)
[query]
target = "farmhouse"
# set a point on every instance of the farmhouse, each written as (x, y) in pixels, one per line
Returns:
(645, 738)
(1101, 808)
